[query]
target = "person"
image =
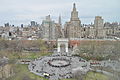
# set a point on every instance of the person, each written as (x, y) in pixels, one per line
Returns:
(104, 63)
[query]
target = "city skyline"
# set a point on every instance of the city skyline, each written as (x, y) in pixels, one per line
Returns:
(22, 12)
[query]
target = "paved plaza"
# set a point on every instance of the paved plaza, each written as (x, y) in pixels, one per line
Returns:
(57, 67)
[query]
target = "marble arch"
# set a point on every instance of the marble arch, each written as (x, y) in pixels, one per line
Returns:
(62, 41)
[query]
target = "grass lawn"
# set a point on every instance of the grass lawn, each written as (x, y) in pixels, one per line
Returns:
(68, 79)
(95, 76)
(34, 55)
(22, 72)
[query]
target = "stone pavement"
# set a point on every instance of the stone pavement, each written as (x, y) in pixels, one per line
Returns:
(57, 66)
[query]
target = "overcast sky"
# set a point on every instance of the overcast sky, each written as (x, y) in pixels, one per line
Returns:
(23, 11)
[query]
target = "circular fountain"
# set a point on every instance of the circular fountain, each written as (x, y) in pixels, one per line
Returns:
(59, 62)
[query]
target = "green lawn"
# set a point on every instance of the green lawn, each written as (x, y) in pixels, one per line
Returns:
(21, 72)
(34, 55)
(95, 76)
(68, 79)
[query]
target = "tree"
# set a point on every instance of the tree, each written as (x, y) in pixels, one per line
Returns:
(78, 75)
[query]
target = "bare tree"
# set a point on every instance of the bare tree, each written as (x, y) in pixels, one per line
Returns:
(78, 75)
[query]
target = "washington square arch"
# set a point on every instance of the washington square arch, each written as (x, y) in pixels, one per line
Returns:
(62, 42)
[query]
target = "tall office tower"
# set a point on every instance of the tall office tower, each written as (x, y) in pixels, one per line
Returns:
(7, 25)
(73, 27)
(22, 25)
(98, 22)
(32, 23)
(99, 26)
(59, 21)
(48, 27)
(74, 17)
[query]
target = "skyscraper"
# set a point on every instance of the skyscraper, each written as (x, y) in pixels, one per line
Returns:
(73, 27)
(48, 27)
(98, 22)
(7, 25)
(74, 17)
(59, 21)
(32, 23)
(99, 26)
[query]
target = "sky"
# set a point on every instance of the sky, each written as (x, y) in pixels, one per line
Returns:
(23, 11)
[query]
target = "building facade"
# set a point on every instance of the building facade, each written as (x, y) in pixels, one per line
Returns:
(73, 27)
(75, 31)
(50, 29)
